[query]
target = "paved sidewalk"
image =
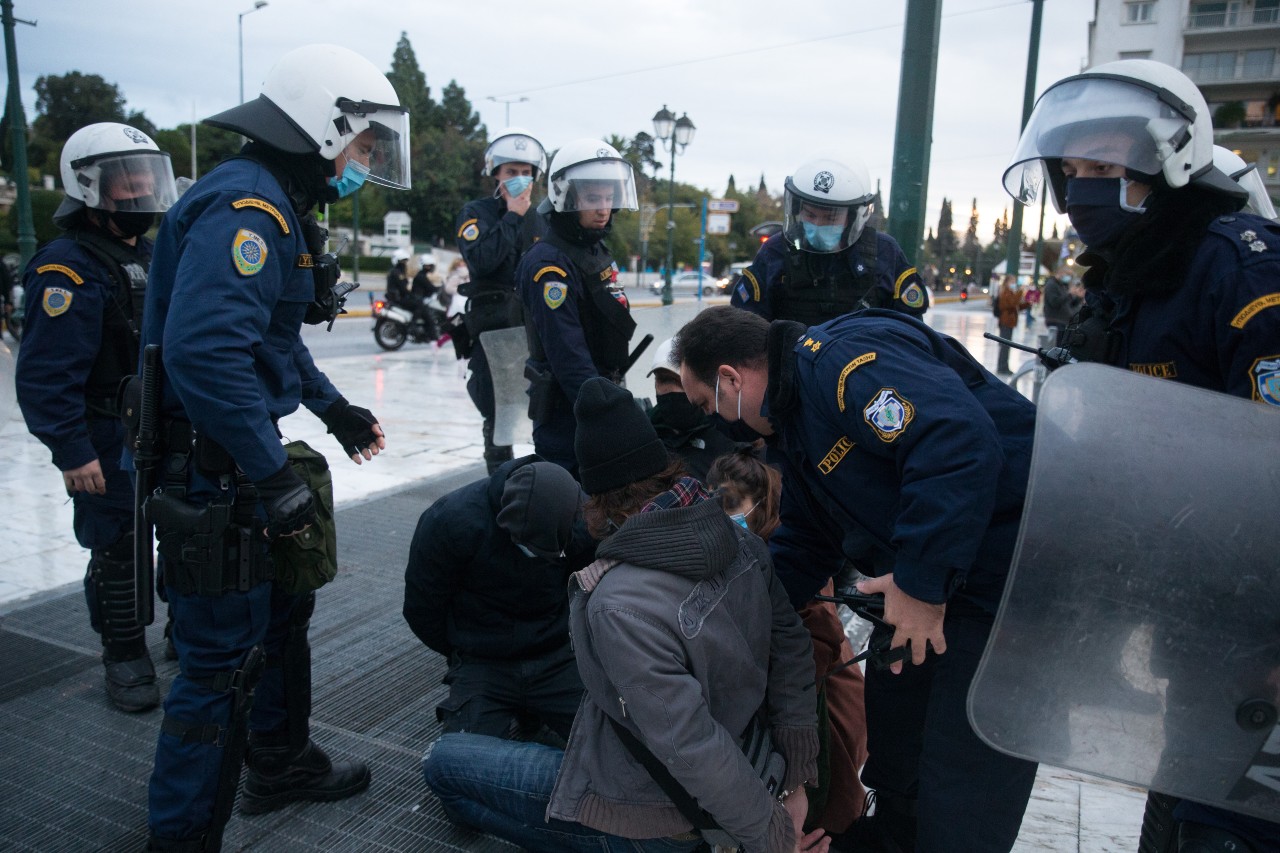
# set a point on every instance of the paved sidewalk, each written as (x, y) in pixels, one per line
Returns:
(373, 680)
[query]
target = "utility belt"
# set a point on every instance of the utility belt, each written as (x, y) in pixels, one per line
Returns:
(547, 398)
(488, 310)
(208, 548)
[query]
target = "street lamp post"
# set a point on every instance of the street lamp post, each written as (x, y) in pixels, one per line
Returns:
(258, 4)
(673, 135)
(508, 102)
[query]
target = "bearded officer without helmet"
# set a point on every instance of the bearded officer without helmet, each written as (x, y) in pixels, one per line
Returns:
(89, 284)
(492, 234)
(238, 268)
(827, 260)
(1180, 285)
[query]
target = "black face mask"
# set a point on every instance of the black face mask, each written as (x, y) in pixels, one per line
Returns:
(131, 224)
(1093, 206)
(674, 411)
(738, 430)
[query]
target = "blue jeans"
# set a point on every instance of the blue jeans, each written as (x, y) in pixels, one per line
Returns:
(502, 787)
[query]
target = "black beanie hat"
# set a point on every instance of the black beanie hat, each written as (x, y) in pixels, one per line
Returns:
(615, 443)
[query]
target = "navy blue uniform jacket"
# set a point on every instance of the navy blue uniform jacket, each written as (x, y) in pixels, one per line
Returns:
(902, 454)
(760, 283)
(1220, 329)
(68, 292)
(230, 282)
(488, 237)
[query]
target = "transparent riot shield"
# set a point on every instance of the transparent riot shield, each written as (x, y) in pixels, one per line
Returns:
(1139, 635)
(507, 350)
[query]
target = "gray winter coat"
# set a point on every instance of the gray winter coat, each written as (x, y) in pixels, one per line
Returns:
(681, 632)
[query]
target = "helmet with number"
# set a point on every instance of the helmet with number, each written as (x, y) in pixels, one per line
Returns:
(515, 145)
(316, 100)
(1247, 176)
(114, 167)
(826, 204)
(589, 161)
(1143, 115)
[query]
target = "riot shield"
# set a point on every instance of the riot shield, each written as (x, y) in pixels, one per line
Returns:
(1139, 634)
(507, 350)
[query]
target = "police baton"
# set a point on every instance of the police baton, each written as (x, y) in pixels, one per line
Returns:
(636, 353)
(146, 459)
(1051, 358)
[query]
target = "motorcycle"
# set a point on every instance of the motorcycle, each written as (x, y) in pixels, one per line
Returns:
(394, 323)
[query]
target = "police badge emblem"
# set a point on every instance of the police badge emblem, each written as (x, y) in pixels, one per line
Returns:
(823, 182)
(888, 414)
(1265, 374)
(249, 251)
(554, 293)
(56, 301)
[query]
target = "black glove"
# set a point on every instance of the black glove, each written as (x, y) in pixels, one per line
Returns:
(351, 425)
(290, 505)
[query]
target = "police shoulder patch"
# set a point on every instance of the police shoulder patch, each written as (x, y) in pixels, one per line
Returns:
(913, 296)
(249, 252)
(749, 276)
(1247, 313)
(844, 374)
(60, 268)
(554, 293)
(56, 300)
(548, 270)
(266, 207)
(469, 230)
(888, 413)
(1265, 378)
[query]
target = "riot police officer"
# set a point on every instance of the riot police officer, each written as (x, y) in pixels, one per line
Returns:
(1181, 285)
(245, 239)
(827, 261)
(492, 234)
(577, 320)
(81, 341)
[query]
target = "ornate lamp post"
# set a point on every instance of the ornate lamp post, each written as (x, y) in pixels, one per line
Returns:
(673, 135)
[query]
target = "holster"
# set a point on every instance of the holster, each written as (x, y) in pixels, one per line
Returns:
(544, 393)
(208, 550)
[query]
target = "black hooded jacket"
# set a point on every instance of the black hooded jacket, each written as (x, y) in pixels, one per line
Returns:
(470, 590)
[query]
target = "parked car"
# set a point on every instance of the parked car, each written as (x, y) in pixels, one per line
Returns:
(687, 283)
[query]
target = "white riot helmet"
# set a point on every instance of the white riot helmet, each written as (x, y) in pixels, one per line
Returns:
(1143, 115)
(587, 161)
(114, 167)
(826, 204)
(1247, 176)
(316, 100)
(427, 260)
(399, 255)
(515, 145)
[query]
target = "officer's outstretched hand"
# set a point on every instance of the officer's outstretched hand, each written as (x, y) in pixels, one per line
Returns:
(290, 505)
(914, 621)
(87, 478)
(356, 429)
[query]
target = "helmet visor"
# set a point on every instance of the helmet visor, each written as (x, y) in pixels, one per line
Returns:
(132, 182)
(1259, 200)
(822, 228)
(516, 148)
(387, 153)
(599, 185)
(1097, 119)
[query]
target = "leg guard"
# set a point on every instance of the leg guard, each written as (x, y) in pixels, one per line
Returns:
(494, 454)
(1159, 830)
(232, 740)
(130, 675)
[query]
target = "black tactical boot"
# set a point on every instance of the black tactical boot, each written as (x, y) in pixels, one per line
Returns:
(276, 778)
(891, 829)
(131, 684)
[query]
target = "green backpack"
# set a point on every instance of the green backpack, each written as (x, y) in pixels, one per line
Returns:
(309, 560)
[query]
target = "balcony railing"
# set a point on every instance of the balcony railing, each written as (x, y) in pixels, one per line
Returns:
(1233, 19)
(1221, 75)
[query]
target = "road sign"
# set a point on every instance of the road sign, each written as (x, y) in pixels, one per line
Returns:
(722, 205)
(717, 223)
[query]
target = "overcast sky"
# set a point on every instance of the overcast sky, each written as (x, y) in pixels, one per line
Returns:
(768, 83)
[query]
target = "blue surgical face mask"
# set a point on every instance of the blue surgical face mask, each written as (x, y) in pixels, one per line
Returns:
(740, 519)
(823, 238)
(517, 185)
(1098, 210)
(351, 179)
